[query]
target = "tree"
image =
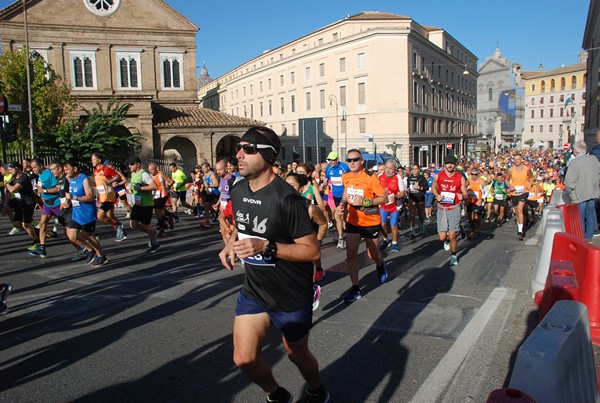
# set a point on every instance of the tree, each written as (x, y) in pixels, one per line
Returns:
(101, 131)
(50, 97)
(529, 142)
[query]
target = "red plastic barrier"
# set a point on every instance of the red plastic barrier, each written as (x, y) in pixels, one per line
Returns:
(561, 283)
(509, 395)
(572, 219)
(585, 259)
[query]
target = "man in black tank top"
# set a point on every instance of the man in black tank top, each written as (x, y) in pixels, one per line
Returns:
(274, 238)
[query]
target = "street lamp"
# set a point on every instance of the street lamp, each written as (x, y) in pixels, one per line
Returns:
(332, 98)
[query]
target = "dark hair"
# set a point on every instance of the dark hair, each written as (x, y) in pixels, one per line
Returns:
(233, 161)
(301, 179)
(354, 150)
(71, 162)
(172, 164)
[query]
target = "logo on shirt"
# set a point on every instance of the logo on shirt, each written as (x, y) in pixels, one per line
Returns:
(251, 201)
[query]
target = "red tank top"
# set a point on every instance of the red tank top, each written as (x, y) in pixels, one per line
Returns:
(449, 187)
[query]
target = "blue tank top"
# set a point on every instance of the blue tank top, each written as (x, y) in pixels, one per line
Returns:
(83, 212)
(208, 180)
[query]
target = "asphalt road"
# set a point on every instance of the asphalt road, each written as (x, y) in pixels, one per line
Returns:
(158, 327)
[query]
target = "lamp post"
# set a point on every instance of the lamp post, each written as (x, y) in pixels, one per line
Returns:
(332, 98)
(28, 79)
(346, 132)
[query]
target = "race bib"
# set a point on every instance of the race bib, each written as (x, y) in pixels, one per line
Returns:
(63, 200)
(519, 189)
(156, 194)
(101, 190)
(258, 259)
(17, 195)
(391, 198)
(122, 192)
(499, 196)
(223, 205)
(448, 197)
(337, 181)
(352, 193)
(75, 203)
(414, 189)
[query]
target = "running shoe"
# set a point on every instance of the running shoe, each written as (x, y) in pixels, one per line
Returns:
(281, 395)
(446, 245)
(36, 224)
(121, 234)
(214, 219)
(453, 260)
(4, 309)
(79, 256)
(422, 229)
(472, 235)
(597, 233)
(395, 248)
(520, 236)
(100, 261)
(89, 259)
(316, 296)
(341, 243)
(329, 225)
(353, 295)
(161, 233)
(14, 231)
(318, 276)
(413, 232)
(51, 234)
(33, 247)
(128, 215)
(321, 396)
(6, 289)
(383, 244)
(41, 252)
(153, 247)
(205, 225)
(382, 273)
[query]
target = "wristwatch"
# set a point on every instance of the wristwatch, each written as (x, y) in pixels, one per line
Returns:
(270, 250)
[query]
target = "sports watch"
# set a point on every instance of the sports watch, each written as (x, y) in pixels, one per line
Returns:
(270, 250)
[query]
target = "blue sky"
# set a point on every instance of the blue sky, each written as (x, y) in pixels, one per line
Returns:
(528, 32)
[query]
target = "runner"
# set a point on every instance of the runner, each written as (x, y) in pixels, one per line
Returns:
(417, 186)
(48, 189)
(477, 192)
(226, 180)
(428, 195)
(120, 186)
(83, 218)
(179, 190)
(363, 193)
(211, 194)
(21, 188)
(104, 178)
(276, 241)
(449, 189)
(10, 202)
(499, 191)
(334, 173)
(164, 217)
(519, 178)
(395, 190)
(141, 216)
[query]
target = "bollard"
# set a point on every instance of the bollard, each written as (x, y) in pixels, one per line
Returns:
(556, 362)
(559, 197)
(552, 223)
(560, 284)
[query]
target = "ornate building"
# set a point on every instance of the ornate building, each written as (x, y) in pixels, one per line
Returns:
(373, 81)
(591, 42)
(142, 52)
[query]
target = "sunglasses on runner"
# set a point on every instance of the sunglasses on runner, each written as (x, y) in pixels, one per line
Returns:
(356, 159)
(253, 148)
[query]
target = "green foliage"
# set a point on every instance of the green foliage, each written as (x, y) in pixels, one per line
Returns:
(100, 131)
(50, 97)
(529, 142)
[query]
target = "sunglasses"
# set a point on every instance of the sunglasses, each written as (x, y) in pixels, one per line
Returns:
(253, 148)
(356, 159)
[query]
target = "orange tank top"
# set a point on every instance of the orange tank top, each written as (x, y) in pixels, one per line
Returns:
(520, 181)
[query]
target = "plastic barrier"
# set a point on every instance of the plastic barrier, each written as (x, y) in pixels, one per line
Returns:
(508, 395)
(552, 222)
(585, 259)
(556, 362)
(559, 197)
(572, 219)
(560, 284)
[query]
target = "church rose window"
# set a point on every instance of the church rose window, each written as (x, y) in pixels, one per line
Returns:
(102, 7)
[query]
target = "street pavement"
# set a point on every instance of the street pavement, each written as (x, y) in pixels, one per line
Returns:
(157, 327)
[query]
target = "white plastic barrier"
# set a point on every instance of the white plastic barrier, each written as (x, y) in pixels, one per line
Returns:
(552, 222)
(556, 362)
(559, 197)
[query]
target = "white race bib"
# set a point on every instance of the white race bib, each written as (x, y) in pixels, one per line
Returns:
(75, 203)
(519, 189)
(17, 195)
(448, 197)
(499, 196)
(351, 193)
(337, 181)
(101, 190)
(156, 194)
(257, 259)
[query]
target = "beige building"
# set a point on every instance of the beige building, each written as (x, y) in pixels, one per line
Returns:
(591, 42)
(142, 52)
(373, 80)
(555, 105)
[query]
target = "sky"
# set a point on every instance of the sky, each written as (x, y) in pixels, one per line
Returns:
(528, 32)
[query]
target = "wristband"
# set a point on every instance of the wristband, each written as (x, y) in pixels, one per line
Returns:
(367, 202)
(73, 197)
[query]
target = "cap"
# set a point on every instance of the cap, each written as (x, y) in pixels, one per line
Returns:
(133, 160)
(15, 165)
(106, 162)
(333, 156)
(265, 136)
(450, 159)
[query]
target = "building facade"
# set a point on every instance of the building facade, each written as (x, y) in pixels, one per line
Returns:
(591, 42)
(373, 81)
(555, 105)
(500, 103)
(141, 52)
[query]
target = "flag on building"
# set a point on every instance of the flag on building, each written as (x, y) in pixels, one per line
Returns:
(568, 100)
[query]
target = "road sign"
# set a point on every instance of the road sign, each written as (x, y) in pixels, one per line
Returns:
(449, 145)
(3, 104)
(15, 108)
(567, 146)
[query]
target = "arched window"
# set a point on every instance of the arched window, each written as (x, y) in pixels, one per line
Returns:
(552, 85)
(562, 84)
(573, 82)
(543, 86)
